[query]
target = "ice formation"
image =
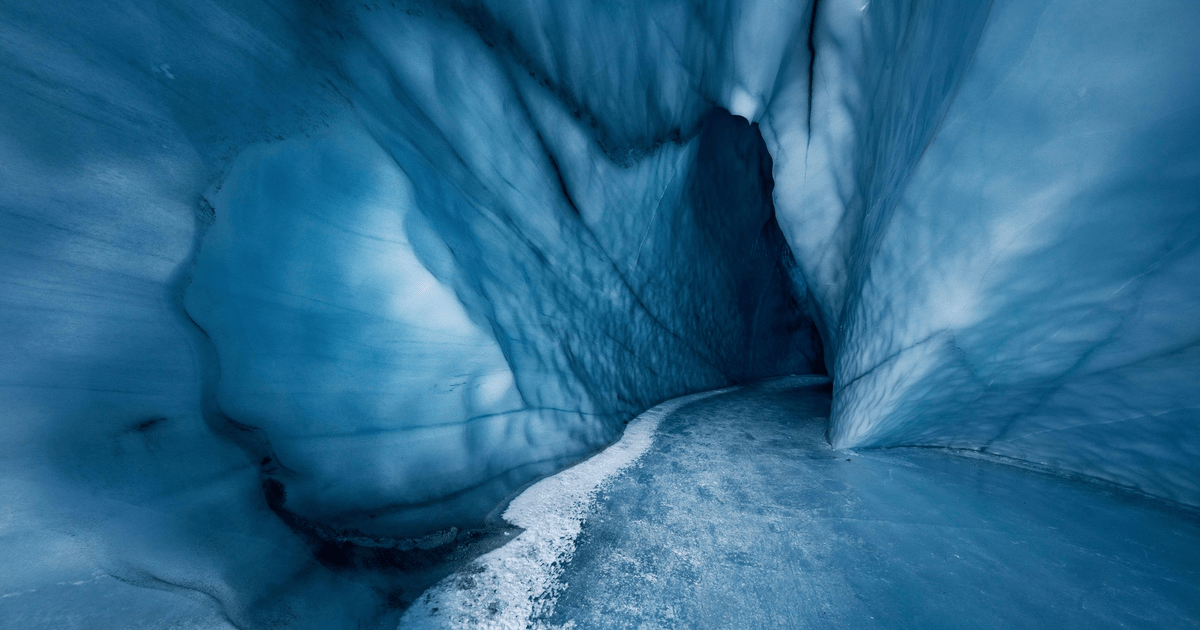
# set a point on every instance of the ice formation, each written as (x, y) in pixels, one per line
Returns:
(279, 277)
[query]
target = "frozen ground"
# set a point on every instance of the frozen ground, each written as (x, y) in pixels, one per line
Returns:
(740, 515)
(294, 294)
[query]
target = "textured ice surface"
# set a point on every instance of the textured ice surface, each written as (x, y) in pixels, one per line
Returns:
(334, 278)
(1025, 284)
(391, 262)
(111, 477)
(508, 587)
(360, 260)
(739, 515)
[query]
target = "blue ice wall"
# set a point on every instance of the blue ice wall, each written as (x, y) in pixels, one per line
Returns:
(1008, 315)
(277, 272)
(336, 303)
(401, 259)
(124, 505)
(1017, 234)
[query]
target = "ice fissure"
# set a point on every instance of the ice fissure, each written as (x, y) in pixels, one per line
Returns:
(302, 292)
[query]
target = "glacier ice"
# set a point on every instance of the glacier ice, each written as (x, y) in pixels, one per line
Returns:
(394, 261)
(392, 408)
(740, 515)
(1028, 292)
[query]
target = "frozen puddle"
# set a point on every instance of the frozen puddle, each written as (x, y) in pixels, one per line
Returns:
(511, 586)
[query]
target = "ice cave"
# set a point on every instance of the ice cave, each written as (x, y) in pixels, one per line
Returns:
(583, 314)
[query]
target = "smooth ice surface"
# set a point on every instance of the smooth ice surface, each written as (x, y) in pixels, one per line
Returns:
(288, 284)
(740, 515)
(122, 506)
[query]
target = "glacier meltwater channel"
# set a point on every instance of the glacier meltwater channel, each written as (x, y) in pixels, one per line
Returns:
(297, 295)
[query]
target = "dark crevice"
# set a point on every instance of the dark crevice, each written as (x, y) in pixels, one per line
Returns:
(400, 569)
(562, 183)
(149, 423)
(621, 151)
(731, 189)
(812, 63)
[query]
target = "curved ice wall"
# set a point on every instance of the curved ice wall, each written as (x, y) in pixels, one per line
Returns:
(417, 338)
(1015, 270)
(281, 274)
(291, 285)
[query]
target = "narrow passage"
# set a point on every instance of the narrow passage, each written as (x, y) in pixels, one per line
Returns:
(738, 514)
(742, 516)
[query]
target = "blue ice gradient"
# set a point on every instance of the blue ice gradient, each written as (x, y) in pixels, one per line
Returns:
(390, 262)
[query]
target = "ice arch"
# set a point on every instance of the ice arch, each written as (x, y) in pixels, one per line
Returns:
(989, 212)
(334, 278)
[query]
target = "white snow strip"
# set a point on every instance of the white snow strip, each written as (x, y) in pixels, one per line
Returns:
(510, 586)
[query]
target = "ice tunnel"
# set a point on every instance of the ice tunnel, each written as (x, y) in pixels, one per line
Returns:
(591, 314)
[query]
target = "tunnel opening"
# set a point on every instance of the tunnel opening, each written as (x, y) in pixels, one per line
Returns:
(731, 192)
(745, 317)
(298, 292)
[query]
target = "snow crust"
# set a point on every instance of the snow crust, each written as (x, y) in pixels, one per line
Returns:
(404, 259)
(508, 587)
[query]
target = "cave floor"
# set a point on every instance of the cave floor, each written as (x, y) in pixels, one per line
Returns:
(741, 516)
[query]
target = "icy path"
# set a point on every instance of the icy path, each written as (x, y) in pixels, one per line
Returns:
(739, 515)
